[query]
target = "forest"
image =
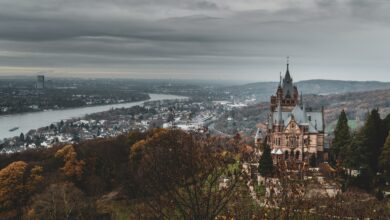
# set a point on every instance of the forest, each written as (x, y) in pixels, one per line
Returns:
(158, 174)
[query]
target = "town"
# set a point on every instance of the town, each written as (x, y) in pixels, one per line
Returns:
(184, 114)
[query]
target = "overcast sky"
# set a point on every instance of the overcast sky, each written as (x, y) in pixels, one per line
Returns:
(197, 39)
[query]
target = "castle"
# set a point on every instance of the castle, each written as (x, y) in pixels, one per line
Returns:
(294, 132)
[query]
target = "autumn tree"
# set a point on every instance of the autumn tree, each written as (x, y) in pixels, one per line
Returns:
(183, 176)
(73, 168)
(18, 181)
(61, 201)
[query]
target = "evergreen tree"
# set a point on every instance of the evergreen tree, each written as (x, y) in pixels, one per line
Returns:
(373, 133)
(21, 137)
(342, 137)
(384, 159)
(356, 157)
(266, 165)
(386, 124)
(313, 160)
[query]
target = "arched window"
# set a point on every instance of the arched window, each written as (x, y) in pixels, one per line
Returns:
(297, 155)
(286, 155)
(292, 141)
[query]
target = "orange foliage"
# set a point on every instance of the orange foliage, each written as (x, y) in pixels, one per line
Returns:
(16, 185)
(72, 168)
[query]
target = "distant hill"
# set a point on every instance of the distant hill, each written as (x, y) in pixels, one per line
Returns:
(263, 90)
(356, 105)
(324, 87)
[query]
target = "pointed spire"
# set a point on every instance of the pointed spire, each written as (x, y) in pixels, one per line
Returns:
(301, 100)
(280, 79)
(279, 121)
(287, 62)
(287, 77)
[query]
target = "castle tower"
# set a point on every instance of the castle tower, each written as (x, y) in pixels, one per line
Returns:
(286, 93)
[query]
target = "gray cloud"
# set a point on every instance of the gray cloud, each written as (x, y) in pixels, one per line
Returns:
(234, 39)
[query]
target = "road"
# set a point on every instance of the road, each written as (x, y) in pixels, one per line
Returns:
(214, 131)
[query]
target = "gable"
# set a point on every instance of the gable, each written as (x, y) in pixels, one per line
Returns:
(292, 127)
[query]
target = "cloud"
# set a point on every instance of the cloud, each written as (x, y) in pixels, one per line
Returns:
(197, 38)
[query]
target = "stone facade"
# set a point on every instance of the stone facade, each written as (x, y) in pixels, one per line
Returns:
(293, 130)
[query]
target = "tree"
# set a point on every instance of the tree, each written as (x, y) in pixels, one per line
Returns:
(17, 182)
(37, 141)
(73, 168)
(182, 175)
(373, 133)
(21, 137)
(356, 157)
(384, 159)
(61, 201)
(313, 160)
(266, 165)
(342, 137)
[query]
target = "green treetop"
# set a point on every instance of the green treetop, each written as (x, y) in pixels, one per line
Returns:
(384, 159)
(375, 138)
(342, 137)
(266, 165)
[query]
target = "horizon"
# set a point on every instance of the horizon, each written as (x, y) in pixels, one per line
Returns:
(212, 81)
(201, 39)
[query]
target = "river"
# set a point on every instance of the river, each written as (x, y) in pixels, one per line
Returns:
(27, 121)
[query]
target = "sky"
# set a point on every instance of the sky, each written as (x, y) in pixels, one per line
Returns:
(245, 40)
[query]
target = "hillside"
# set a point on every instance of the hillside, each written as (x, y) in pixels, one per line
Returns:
(356, 104)
(125, 177)
(262, 90)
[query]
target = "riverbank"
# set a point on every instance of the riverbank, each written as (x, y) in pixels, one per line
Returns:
(28, 121)
(35, 108)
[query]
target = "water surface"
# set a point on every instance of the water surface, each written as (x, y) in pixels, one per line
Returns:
(34, 120)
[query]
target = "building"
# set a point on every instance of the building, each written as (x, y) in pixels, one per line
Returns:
(294, 132)
(40, 82)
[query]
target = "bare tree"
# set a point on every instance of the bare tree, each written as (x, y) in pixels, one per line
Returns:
(183, 177)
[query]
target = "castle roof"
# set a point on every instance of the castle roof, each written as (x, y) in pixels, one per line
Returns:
(288, 87)
(259, 135)
(312, 119)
